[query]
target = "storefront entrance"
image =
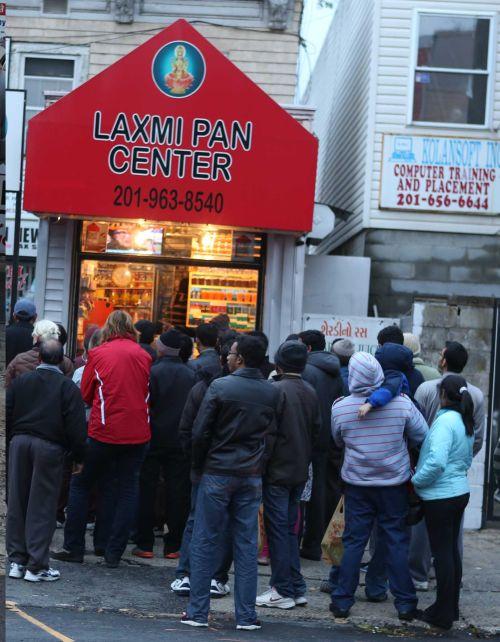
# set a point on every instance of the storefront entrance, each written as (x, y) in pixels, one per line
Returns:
(170, 273)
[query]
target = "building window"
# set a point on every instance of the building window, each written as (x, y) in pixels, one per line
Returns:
(45, 78)
(55, 6)
(452, 69)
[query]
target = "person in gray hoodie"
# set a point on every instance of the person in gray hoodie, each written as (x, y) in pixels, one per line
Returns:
(375, 471)
(322, 372)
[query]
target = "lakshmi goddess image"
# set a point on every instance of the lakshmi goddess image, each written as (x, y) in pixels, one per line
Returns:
(179, 80)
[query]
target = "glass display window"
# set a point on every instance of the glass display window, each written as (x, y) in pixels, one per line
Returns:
(171, 240)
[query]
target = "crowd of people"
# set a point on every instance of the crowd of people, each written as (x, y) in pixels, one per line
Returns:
(142, 435)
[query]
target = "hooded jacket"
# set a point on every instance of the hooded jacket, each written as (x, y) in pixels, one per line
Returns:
(298, 429)
(376, 446)
(397, 358)
(322, 371)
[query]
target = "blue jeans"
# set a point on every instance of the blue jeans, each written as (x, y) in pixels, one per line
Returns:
(389, 506)
(226, 547)
(221, 498)
(281, 509)
(100, 458)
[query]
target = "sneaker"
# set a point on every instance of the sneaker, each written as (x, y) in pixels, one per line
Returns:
(187, 620)
(301, 600)
(421, 586)
(181, 587)
(272, 599)
(139, 552)
(325, 587)
(172, 556)
(249, 627)
(17, 571)
(47, 575)
(66, 556)
(263, 560)
(218, 589)
(409, 616)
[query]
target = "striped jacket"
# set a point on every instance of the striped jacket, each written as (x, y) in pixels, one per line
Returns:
(376, 448)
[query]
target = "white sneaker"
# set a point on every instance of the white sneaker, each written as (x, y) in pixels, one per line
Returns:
(181, 587)
(301, 601)
(47, 575)
(249, 627)
(218, 589)
(421, 586)
(272, 599)
(17, 571)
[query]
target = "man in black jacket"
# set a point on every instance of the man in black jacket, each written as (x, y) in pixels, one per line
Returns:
(323, 373)
(233, 435)
(45, 419)
(207, 336)
(286, 475)
(170, 383)
(19, 334)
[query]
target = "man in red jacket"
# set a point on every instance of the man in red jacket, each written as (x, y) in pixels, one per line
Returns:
(115, 384)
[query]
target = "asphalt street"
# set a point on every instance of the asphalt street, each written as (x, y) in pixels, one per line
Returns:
(50, 624)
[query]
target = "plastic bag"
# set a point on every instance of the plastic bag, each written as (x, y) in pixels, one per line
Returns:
(331, 544)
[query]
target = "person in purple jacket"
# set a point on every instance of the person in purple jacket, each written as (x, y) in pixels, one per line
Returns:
(375, 471)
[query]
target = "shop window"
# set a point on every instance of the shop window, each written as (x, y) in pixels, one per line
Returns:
(181, 295)
(45, 77)
(452, 69)
(55, 6)
(174, 240)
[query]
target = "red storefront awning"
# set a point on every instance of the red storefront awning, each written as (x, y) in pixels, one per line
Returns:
(172, 131)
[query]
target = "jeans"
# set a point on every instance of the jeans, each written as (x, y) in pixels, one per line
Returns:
(226, 549)
(281, 509)
(175, 467)
(125, 462)
(443, 518)
(376, 575)
(389, 506)
(220, 498)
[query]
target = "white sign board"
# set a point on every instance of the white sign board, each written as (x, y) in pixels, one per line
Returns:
(440, 174)
(362, 331)
(14, 116)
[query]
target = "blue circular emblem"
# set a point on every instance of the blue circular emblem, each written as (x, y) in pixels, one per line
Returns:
(178, 69)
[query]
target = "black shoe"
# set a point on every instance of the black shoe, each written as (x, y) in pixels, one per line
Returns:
(377, 598)
(424, 616)
(66, 556)
(338, 613)
(99, 552)
(112, 563)
(307, 555)
(409, 616)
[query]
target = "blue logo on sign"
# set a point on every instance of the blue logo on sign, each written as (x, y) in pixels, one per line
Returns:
(402, 149)
(179, 69)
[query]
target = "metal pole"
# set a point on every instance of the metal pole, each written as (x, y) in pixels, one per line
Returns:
(15, 255)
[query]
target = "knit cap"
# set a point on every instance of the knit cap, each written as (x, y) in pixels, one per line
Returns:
(169, 343)
(365, 374)
(343, 348)
(291, 356)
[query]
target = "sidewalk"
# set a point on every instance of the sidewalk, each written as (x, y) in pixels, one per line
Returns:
(480, 602)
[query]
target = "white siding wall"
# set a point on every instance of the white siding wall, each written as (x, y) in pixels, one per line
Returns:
(340, 91)
(391, 107)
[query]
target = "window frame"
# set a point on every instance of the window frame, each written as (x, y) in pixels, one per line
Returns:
(32, 108)
(489, 72)
(55, 13)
